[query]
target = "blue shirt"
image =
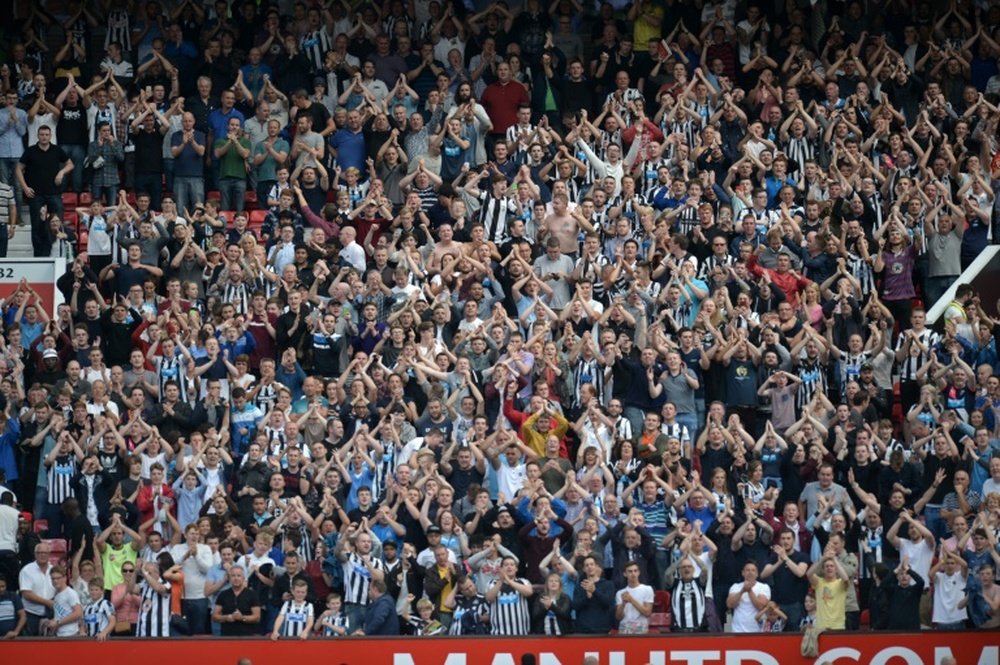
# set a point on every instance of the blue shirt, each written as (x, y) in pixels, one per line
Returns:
(350, 147)
(291, 380)
(188, 164)
(12, 133)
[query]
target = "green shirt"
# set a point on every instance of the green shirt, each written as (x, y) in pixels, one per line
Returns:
(231, 164)
(268, 169)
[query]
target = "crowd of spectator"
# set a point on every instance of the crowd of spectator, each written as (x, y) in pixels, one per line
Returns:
(499, 318)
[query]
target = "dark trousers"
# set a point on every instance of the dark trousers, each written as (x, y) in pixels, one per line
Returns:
(40, 242)
(196, 613)
(9, 569)
(32, 627)
(152, 184)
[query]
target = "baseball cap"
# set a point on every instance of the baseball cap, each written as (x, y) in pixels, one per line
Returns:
(50, 353)
(433, 528)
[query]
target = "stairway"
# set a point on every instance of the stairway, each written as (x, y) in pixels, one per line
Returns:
(19, 247)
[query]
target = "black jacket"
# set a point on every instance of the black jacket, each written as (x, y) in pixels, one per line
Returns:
(560, 609)
(595, 615)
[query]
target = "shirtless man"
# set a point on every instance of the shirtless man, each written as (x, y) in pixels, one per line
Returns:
(562, 225)
(446, 246)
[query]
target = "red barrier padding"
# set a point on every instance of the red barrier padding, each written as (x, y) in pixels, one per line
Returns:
(926, 648)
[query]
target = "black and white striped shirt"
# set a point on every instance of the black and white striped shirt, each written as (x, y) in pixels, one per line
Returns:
(592, 270)
(295, 617)
(687, 604)
(333, 621)
(513, 136)
(119, 29)
(476, 606)
(800, 150)
(916, 359)
(315, 45)
(238, 295)
(97, 615)
(713, 262)
(172, 369)
(154, 610)
(509, 614)
(494, 215)
(687, 219)
(357, 578)
(587, 371)
(60, 477)
(813, 375)
(6, 200)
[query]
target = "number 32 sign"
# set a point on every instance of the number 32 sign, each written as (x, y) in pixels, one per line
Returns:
(41, 275)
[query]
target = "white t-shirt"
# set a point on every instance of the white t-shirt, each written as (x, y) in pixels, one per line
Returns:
(920, 554)
(745, 614)
(510, 479)
(642, 594)
(8, 527)
(64, 603)
(948, 590)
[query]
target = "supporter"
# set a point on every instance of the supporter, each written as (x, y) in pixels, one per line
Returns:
(611, 269)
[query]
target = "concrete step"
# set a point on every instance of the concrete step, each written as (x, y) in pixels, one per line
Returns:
(20, 246)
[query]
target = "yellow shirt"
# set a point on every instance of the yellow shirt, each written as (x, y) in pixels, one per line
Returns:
(643, 30)
(831, 604)
(445, 591)
(112, 561)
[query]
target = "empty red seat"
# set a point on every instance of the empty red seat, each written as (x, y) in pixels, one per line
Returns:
(69, 200)
(85, 199)
(60, 550)
(660, 620)
(250, 200)
(71, 219)
(213, 195)
(256, 221)
(82, 238)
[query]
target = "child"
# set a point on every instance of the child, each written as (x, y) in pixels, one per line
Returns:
(95, 221)
(278, 187)
(333, 622)
(296, 616)
(771, 618)
(424, 623)
(356, 190)
(809, 618)
(98, 613)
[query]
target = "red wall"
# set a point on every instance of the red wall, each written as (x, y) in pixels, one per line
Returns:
(925, 648)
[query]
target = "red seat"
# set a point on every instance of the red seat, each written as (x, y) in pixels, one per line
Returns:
(256, 221)
(69, 200)
(41, 526)
(213, 195)
(250, 200)
(228, 215)
(331, 196)
(660, 620)
(82, 238)
(85, 199)
(60, 550)
(72, 219)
